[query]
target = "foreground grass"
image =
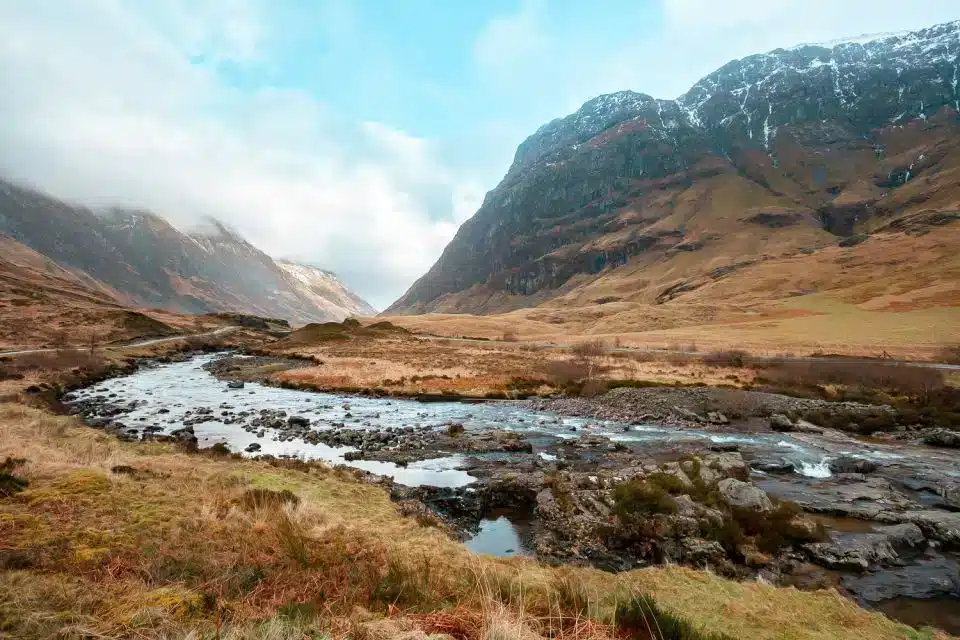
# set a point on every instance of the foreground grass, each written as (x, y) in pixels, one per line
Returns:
(117, 540)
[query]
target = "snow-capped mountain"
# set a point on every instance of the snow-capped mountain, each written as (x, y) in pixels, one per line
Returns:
(154, 264)
(327, 291)
(818, 134)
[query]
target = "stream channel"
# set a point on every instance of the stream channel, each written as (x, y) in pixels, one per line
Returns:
(158, 398)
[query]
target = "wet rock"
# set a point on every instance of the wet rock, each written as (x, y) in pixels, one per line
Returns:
(942, 526)
(781, 466)
(298, 421)
(235, 384)
(715, 417)
(780, 422)
(942, 438)
(252, 447)
(850, 464)
(866, 551)
(185, 436)
(931, 576)
(743, 495)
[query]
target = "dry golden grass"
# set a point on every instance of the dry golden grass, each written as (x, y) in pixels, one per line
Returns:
(893, 293)
(119, 540)
(413, 365)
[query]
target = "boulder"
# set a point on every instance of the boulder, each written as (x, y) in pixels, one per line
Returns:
(730, 465)
(942, 438)
(298, 421)
(850, 464)
(866, 551)
(780, 422)
(235, 384)
(781, 466)
(252, 447)
(743, 495)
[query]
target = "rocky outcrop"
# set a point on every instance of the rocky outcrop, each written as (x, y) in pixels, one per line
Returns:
(798, 132)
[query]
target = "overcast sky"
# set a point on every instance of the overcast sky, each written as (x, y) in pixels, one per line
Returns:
(356, 135)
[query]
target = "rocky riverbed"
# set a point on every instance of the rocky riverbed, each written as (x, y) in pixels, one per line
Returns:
(638, 476)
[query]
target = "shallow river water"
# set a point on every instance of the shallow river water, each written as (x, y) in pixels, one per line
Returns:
(163, 394)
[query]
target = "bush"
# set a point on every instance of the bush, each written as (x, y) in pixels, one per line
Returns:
(948, 355)
(733, 358)
(589, 349)
(638, 498)
(895, 378)
(9, 483)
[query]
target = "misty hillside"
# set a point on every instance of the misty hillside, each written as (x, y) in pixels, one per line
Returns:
(145, 258)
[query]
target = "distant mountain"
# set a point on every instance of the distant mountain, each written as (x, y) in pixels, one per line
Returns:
(151, 263)
(327, 291)
(793, 150)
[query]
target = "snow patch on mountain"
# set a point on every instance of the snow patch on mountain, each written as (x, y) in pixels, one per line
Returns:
(326, 291)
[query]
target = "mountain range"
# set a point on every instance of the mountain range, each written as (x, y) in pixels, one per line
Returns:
(139, 259)
(782, 156)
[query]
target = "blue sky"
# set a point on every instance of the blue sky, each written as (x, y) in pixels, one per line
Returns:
(353, 134)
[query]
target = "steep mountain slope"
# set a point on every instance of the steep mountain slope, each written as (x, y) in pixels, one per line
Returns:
(149, 262)
(326, 291)
(43, 304)
(790, 151)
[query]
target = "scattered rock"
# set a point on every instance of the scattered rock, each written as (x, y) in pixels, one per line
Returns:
(850, 464)
(743, 495)
(780, 422)
(942, 438)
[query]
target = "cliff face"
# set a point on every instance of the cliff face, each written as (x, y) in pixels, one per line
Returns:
(791, 150)
(151, 263)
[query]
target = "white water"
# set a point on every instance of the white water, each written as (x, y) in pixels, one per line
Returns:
(178, 388)
(818, 470)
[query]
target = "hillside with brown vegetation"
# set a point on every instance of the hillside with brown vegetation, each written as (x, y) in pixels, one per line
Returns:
(800, 199)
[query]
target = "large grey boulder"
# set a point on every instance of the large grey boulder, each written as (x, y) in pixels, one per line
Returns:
(942, 438)
(743, 495)
(850, 464)
(866, 551)
(780, 422)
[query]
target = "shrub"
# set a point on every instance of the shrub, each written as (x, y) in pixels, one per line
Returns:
(732, 358)
(638, 498)
(9, 483)
(510, 335)
(948, 355)
(589, 349)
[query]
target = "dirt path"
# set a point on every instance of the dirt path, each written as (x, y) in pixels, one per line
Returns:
(141, 343)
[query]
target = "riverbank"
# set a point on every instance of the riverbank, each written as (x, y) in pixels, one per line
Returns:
(561, 474)
(120, 539)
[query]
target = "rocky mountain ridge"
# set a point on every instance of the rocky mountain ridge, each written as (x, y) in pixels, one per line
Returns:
(792, 149)
(151, 263)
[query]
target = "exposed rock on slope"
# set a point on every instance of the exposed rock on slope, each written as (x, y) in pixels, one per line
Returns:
(151, 263)
(327, 291)
(791, 150)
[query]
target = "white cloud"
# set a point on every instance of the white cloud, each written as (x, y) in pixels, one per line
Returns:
(517, 38)
(103, 105)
